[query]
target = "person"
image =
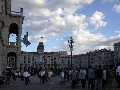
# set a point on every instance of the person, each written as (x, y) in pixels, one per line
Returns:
(77, 77)
(43, 77)
(49, 76)
(90, 77)
(22, 77)
(99, 75)
(4, 73)
(46, 76)
(29, 77)
(13, 74)
(104, 78)
(40, 75)
(118, 74)
(8, 76)
(111, 78)
(83, 77)
(26, 75)
(73, 76)
(62, 76)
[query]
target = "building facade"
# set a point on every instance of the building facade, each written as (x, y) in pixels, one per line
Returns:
(81, 60)
(117, 53)
(10, 23)
(60, 59)
(101, 57)
(41, 59)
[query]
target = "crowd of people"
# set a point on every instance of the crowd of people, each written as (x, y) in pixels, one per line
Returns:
(97, 78)
(44, 75)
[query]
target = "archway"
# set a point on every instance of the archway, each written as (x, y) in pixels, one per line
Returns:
(13, 34)
(11, 60)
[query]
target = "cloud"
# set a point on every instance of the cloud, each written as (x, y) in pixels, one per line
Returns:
(117, 31)
(49, 18)
(104, 1)
(53, 17)
(97, 20)
(86, 42)
(117, 8)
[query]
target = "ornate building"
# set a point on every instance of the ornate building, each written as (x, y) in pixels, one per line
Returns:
(10, 23)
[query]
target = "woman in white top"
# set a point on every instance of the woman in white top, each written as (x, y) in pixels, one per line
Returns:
(26, 75)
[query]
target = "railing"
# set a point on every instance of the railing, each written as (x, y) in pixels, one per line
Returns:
(12, 43)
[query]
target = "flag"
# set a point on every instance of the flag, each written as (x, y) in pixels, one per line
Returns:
(44, 57)
(25, 40)
(26, 36)
(41, 58)
(70, 46)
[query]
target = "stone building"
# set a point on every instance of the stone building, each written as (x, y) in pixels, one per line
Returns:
(10, 23)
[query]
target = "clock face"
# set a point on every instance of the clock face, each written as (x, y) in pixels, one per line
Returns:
(1, 24)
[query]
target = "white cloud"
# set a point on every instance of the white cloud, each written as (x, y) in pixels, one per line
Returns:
(97, 20)
(117, 8)
(117, 31)
(104, 1)
(71, 10)
(49, 19)
(86, 41)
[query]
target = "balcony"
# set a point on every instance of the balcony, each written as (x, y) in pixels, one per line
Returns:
(12, 43)
(14, 13)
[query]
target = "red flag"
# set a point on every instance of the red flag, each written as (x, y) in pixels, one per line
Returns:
(44, 57)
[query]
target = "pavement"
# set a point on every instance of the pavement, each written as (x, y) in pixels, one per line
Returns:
(19, 85)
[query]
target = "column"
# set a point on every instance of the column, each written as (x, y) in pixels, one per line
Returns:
(18, 61)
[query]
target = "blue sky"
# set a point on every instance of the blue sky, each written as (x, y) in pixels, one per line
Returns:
(93, 24)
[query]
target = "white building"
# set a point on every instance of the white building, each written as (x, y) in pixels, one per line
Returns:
(41, 59)
(65, 62)
(101, 57)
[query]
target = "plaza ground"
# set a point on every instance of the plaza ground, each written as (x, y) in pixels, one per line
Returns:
(19, 85)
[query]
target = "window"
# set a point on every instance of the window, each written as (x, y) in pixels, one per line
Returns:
(62, 60)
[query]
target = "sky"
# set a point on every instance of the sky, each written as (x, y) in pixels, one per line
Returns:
(93, 24)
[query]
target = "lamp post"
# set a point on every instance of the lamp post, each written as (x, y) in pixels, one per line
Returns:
(71, 47)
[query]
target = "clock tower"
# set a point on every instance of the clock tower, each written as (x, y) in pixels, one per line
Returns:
(40, 48)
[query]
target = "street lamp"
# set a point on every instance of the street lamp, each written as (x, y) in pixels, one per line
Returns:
(71, 47)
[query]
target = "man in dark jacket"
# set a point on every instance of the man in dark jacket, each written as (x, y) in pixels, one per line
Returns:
(99, 75)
